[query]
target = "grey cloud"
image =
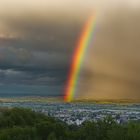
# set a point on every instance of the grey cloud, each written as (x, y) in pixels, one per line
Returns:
(10, 76)
(36, 49)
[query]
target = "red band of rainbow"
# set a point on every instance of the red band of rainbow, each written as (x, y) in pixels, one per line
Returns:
(77, 58)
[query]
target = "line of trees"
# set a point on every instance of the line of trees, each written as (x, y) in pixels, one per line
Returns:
(24, 124)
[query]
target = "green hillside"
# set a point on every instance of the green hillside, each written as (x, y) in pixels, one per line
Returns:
(24, 124)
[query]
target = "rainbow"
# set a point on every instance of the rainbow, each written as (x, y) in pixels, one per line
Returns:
(77, 58)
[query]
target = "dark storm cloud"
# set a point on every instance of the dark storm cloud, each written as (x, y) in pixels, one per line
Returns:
(38, 50)
(51, 77)
(38, 44)
(37, 39)
(33, 67)
(41, 31)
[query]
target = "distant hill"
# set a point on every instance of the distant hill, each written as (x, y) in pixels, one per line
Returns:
(106, 101)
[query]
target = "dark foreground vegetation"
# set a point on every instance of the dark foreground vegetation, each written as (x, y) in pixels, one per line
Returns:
(24, 124)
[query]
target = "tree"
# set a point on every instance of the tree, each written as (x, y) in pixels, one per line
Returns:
(52, 136)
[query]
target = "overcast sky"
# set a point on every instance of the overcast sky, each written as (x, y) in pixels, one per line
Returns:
(37, 39)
